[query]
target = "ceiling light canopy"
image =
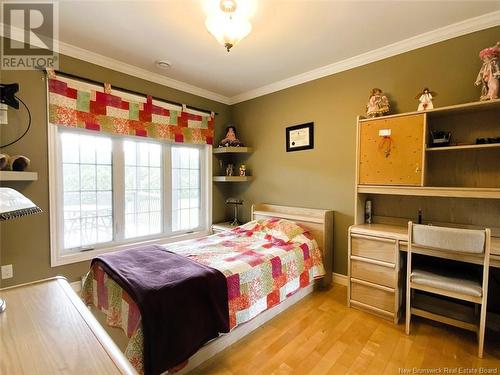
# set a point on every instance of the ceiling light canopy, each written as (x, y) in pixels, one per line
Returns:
(228, 20)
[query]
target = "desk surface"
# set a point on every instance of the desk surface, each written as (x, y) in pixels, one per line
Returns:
(400, 233)
(47, 329)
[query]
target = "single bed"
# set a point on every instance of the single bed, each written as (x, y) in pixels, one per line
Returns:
(269, 264)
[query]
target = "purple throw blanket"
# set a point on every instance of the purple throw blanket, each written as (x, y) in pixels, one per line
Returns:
(183, 303)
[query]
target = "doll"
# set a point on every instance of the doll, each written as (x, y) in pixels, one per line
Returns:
(230, 140)
(243, 170)
(425, 99)
(378, 104)
(489, 75)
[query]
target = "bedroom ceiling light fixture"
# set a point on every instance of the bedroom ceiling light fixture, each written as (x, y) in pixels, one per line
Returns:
(228, 23)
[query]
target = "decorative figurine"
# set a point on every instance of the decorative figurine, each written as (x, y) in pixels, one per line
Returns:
(243, 170)
(231, 139)
(425, 99)
(489, 75)
(229, 169)
(378, 104)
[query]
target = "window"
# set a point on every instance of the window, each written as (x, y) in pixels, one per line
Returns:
(185, 188)
(87, 189)
(109, 191)
(143, 188)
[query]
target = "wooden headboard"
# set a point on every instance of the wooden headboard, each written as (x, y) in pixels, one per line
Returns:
(318, 222)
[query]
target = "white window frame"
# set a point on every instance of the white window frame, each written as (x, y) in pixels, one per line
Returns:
(57, 258)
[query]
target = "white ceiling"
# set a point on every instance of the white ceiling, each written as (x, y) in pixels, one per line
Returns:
(288, 37)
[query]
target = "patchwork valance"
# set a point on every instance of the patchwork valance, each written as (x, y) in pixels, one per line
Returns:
(78, 104)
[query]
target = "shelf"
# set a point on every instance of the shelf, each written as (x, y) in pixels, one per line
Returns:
(18, 176)
(441, 111)
(426, 191)
(232, 178)
(232, 150)
(464, 147)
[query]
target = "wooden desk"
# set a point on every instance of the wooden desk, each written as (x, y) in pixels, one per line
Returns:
(374, 271)
(401, 234)
(47, 329)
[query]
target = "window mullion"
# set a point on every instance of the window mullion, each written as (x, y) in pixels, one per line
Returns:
(206, 187)
(167, 188)
(118, 189)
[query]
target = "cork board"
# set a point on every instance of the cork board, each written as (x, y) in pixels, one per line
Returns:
(391, 151)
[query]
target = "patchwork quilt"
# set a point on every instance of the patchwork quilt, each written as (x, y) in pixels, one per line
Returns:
(264, 262)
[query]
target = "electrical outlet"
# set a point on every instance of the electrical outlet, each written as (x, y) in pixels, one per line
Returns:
(7, 271)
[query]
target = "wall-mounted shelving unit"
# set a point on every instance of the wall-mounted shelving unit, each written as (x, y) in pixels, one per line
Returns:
(232, 150)
(464, 147)
(18, 176)
(402, 174)
(226, 153)
(232, 178)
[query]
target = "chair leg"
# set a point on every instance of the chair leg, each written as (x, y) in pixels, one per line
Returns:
(482, 325)
(408, 311)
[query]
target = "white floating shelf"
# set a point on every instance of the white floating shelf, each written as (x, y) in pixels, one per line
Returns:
(232, 150)
(232, 178)
(18, 176)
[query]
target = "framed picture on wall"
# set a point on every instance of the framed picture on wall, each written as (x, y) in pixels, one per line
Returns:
(300, 137)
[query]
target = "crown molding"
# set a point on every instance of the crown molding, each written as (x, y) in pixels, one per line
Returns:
(120, 66)
(435, 36)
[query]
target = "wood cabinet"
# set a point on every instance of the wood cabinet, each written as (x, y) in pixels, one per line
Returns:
(222, 227)
(455, 185)
(391, 150)
(373, 274)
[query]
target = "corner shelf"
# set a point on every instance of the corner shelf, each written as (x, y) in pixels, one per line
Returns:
(232, 178)
(232, 150)
(18, 176)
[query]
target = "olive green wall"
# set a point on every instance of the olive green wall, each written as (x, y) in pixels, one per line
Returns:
(24, 242)
(324, 177)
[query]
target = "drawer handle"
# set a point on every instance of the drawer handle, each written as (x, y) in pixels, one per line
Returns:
(371, 285)
(373, 261)
(379, 239)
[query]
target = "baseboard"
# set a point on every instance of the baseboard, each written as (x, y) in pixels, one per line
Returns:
(340, 279)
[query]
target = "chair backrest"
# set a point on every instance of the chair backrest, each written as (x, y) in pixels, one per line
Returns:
(469, 241)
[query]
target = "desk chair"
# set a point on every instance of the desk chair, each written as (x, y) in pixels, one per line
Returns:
(465, 245)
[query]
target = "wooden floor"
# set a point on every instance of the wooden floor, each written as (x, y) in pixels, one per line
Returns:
(320, 335)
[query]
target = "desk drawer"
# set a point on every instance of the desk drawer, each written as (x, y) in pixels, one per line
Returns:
(373, 295)
(374, 248)
(375, 273)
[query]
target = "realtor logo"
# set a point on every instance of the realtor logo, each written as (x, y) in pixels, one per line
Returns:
(30, 35)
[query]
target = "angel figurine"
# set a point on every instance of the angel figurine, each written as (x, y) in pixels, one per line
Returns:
(378, 104)
(425, 99)
(489, 75)
(230, 140)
